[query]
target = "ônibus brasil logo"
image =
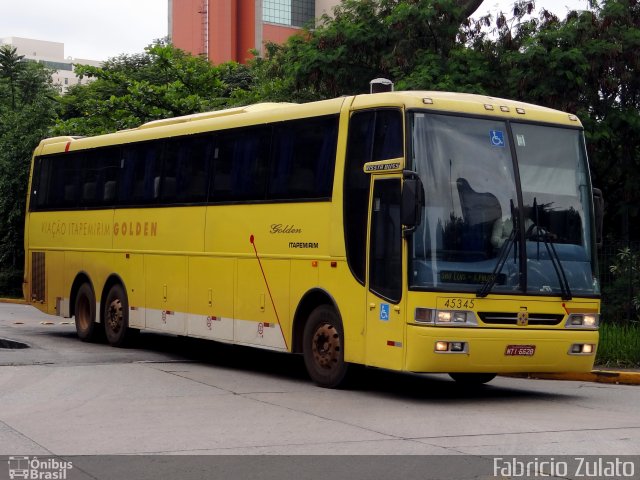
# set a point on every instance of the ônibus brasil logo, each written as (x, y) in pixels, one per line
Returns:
(36, 469)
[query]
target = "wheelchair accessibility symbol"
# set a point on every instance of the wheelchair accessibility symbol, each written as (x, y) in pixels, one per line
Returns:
(384, 312)
(497, 138)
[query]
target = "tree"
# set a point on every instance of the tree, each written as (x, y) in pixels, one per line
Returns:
(133, 89)
(365, 39)
(27, 110)
(586, 64)
(11, 66)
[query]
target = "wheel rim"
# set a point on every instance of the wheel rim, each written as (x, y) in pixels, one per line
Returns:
(326, 346)
(83, 313)
(114, 315)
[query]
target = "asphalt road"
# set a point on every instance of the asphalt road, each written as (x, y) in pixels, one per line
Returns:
(171, 395)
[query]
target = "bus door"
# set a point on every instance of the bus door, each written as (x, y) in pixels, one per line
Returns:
(385, 303)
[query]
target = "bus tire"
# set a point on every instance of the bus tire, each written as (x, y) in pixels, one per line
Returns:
(116, 316)
(85, 314)
(323, 348)
(472, 378)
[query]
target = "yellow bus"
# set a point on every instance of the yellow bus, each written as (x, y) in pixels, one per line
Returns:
(411, 231)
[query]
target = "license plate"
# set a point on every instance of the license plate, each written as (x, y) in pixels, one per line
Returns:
(520, 350)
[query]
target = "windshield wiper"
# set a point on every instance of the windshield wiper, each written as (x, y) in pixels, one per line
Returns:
(502, 259)
(541, 233)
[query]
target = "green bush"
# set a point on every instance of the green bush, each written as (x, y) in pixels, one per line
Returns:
(620, 297)
(11, 282)
(619, 345)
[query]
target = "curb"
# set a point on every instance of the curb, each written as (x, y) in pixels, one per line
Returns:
(17, 301)
(597, 376)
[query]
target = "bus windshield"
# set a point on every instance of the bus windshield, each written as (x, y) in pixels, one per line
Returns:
(476, 232)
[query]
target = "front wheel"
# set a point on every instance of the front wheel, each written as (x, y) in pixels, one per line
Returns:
(471, 379)
(116, 316)
(323, 348)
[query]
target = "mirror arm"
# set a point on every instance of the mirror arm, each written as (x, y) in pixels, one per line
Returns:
(408, 231)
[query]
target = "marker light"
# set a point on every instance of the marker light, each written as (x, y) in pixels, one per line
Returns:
(423, 315)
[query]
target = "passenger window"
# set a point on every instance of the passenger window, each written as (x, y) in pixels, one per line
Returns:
(99, 174)
(240, 165)
(303, 159)
(63, 187)
(140, 174)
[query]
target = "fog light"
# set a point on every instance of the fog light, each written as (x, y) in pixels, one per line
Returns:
(582, 349)
(451, 347)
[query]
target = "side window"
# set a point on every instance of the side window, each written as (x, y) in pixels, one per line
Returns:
(98, 177)
(40, 183)
(385, 256)
(240, 165)
(194, 161)
(185, 170)
(63, 188)
(303, 159)
(387, 142)
(140, 181)
(172, 155)
(373, 135)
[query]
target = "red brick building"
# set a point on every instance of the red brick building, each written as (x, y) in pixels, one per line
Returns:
(224, 30)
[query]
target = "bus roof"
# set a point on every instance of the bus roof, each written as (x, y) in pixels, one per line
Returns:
(260, 113)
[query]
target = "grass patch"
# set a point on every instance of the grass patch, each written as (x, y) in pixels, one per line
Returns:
(619, 345)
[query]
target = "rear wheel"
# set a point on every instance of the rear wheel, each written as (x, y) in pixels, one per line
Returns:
(85, 314)
(116, 316)
(472, 378)
(323, 347)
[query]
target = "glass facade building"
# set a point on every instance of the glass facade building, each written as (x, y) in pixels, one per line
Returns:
(295, 13)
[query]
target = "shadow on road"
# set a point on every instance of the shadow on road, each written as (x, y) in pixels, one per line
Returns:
(422, 387)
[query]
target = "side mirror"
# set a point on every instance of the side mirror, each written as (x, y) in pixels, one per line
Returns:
(598, 211)
(412, 202)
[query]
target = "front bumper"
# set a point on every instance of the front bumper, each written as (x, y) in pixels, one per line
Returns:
(487, 346)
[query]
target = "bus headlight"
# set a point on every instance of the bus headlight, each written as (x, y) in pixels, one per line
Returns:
(453, 318)
(583, 320)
